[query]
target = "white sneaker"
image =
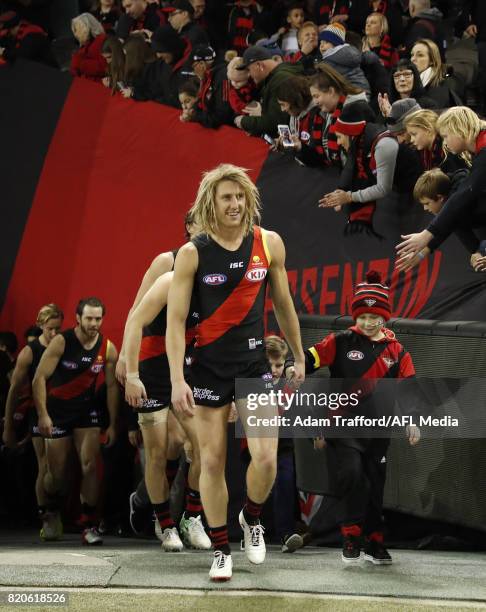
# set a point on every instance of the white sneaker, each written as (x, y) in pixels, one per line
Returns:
(51, 527)
(222, 567)
(91, 537)
(171, 541)
(253, 543)
(193, 533)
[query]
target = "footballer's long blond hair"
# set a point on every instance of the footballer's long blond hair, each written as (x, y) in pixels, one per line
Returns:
(203, 209)
(461, 121)
(48, 312)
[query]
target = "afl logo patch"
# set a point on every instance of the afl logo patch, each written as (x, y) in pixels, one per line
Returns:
(355, 355)
(305, 136)
(215, 279)
(70, 365)
(256, 275)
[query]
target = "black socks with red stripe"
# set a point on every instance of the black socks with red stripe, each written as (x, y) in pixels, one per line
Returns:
(252, 511)
(162, 514)
(193, 503)
(219, 538)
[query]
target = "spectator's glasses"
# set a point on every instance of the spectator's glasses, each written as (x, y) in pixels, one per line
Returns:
(408, 74)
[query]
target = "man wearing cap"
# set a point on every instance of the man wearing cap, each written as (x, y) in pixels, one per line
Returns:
(367, 351)
(268, 74)
(181, 18)
(22, 39)
(212, 108)
(139, 16)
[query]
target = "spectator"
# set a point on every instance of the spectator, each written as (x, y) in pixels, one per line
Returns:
(330, 93)
(422, 129)
(107, 12)
(308, 54)
(22, 39)
(212, 108)
(145, 75)
(472, 21)
(341, 56)
(181, 18)
(139, 16)
(88, 61)
(268, 74)
(369, 170)
(378, 41)
(390, 9)
(331, 11)
(289, 38)
(405, 82)
(294, 98)
(463, 132)
(188, 92)
(437, 82)
(175, 52)
(112, 51)
(425, 22)
(242, 89)
(244, 17)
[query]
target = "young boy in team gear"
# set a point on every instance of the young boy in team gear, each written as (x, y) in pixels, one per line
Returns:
(227, 266)
(147, 390)
(357, 467)
(19, 399)
(67, 410)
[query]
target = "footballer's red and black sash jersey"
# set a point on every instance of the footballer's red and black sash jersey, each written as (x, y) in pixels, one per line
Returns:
(25, 401)
(153, 363)
(230, 290)
(74, 379)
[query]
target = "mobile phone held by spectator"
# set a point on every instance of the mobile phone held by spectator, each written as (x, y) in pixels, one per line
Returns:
(284, 133)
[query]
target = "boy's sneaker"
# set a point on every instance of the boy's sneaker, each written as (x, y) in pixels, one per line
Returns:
(91, 537)
(193, 534)
(51, 529)
(351, 549)
(291, 543)
(171, 541)
(253, 543)
(376, 553)
(222, 567)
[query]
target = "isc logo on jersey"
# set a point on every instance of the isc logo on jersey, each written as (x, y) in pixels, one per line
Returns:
(355, 355)
(257, 275)
(215, 279)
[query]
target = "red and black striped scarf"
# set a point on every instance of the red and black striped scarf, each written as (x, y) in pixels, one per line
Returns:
(317, 133)
(387, 54)
(432, 158)
(242, 23)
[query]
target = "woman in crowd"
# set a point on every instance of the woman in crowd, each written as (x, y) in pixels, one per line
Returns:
(88, 61)
(112, 51)
(406, 83)
(438, 84)
(422, 129)
(330, 93)
(378, 41)
(144, 73)
(463, 132)
(294, 98)
(369, 170)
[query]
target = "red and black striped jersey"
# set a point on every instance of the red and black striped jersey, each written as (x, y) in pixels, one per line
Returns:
(351, 354)
(74, 379)
(230, 290)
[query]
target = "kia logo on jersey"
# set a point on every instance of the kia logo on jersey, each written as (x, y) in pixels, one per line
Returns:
(215, 279)
(70, 365)
(355, 355)
(256, 275)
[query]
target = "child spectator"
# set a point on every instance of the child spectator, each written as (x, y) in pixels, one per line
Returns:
(112, 51)
(107, 12)
(378, 41)
(88, 61)
(463, 132)
(308, 54)
(242, 89)
(341, 56)
(289, 38)
(188, 93)
(357, 466)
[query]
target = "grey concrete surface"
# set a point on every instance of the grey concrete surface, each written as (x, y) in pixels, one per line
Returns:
(25, 561)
